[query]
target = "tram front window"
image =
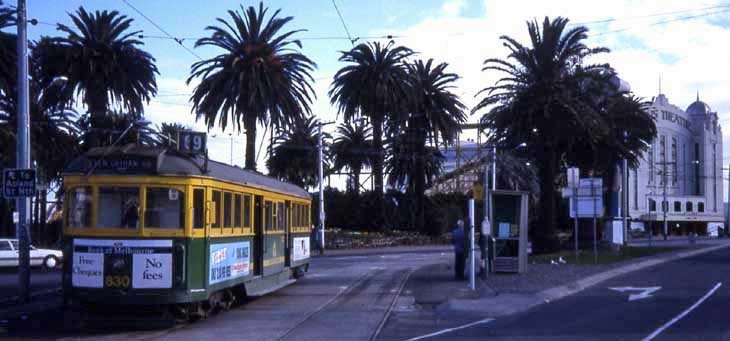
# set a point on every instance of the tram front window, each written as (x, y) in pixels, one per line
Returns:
(79, 207)
(165, 208)
(118, 207)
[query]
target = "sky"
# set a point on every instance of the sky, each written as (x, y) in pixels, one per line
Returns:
(678, 45)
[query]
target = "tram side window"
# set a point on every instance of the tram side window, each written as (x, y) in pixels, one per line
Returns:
(119, 207)
(306, 215)
(79, 207)
(237, 211)
(269, 212)
(164, 208)
(227, 202)
(295, 215)
(246, 211)
(198, 208)
(281, 215)
(217, 213)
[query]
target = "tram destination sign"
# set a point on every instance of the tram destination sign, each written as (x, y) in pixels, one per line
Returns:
(192, 142)
(124, 164)
(19, 183)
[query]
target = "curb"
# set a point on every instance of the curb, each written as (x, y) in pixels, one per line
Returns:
(381, 251)
(518, 303)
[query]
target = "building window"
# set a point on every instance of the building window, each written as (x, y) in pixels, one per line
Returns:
(651, 164)
(663, 158)
(697, 169)
(688, 206)
(677, 206)
(714, 177)
(700, 207)
(636, 189)
(674, 161)
(652, 205)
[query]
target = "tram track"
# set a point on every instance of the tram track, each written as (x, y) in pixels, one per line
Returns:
(346, 291)
(393, 302)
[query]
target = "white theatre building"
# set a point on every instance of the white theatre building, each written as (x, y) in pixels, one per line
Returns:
(682, 172)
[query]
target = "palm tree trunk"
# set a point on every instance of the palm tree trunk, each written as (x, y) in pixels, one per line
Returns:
(249, 123)
(545, 234)
(419, 174)
(356, 180)
(379, 218)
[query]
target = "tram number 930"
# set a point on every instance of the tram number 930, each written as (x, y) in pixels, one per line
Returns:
(116, 281)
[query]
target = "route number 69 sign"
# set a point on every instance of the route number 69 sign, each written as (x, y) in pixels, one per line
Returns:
(192, 142)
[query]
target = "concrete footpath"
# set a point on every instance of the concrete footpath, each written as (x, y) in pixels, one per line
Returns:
(433, 300)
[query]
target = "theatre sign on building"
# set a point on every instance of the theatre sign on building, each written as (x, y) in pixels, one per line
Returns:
(681, 172)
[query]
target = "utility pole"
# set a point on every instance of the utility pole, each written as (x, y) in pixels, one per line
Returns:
(321, 191)
(494, 167)
(231, 136)
(472, 279)
(23, 155)
(625, 197)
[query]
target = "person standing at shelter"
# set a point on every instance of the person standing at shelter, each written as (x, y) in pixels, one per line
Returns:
(458, 237)
(483, 240)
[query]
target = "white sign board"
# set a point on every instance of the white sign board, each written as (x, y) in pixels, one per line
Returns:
(301, 248)
(589, 197)
(88, 270)
(147, 262)
(152, 270)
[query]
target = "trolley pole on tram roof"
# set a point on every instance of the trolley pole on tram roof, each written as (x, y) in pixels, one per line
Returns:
(23, 155)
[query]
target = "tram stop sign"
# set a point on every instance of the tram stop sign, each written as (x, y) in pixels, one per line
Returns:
(18, 183)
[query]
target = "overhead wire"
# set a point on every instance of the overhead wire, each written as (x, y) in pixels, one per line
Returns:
(179, 41)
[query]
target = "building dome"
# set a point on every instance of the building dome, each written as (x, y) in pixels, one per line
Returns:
(698, 108)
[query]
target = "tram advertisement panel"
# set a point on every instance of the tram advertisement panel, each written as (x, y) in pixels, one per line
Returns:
(301, 248)
(229, 261)
(121, 264)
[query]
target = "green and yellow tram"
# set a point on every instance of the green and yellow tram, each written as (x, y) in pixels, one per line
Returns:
(153, 226)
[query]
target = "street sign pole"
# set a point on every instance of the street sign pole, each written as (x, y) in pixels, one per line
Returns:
(23, 155)
(575, 219)
(320, 146)
(595, 241)
(472, 280)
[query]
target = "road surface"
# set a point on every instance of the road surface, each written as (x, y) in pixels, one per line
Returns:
(686, 299)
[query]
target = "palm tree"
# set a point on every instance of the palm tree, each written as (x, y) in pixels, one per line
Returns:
(372, 85)
(260, 77)
(101, 62)
(404, 164)
(434, 110)
(109, 127)
(167, 133)
(538, 100)
(7, 50)
(295, 155)
(353, 149)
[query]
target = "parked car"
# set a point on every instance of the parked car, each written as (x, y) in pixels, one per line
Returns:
(9, 249)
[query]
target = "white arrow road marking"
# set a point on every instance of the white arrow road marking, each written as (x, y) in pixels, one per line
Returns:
(643, 292)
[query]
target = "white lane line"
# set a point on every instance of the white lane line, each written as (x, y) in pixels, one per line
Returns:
(683, 314)
(451, 329)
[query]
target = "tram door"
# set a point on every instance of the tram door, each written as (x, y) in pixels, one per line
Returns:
(258, 226)
(287, 234)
